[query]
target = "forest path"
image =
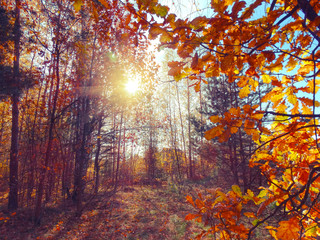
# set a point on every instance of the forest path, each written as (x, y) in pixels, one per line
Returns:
(134, 212)
(139, 212)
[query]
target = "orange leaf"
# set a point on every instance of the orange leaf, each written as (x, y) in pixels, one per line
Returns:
(154, 32)
(194, 62)
(237, 7)
(105, 3)
(288, 229)
(191, 216)
(225, 135)
(213, 132)
(176, 68)
(270, 56)
(235, 111)
(199, 203)
(197, 87)
(199, 22)
(77, 5)
(190, 200)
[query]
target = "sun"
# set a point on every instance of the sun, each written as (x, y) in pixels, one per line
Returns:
(132, 85)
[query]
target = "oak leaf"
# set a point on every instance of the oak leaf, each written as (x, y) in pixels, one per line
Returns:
(160, 10)
(199, 22)
(288, 229)
(77, 5)
(213, 132)
(194, 62)
(237, 7)
(244, 92)
(154, 32)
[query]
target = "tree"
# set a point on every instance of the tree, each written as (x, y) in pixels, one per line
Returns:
(232, 155)
(14, 152)
(279, 46)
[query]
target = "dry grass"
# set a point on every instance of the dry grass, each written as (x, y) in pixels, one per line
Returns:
(139, 212)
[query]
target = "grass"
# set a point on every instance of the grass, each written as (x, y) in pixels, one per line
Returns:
(144, 212)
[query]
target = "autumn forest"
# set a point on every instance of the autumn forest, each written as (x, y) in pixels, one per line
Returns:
(159, 119)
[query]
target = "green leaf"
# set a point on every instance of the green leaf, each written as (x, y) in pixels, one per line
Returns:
(263, 193)
(160, 10)
(254, 222)
(237, 190)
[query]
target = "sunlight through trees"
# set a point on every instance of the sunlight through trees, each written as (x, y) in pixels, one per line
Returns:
(144, 118)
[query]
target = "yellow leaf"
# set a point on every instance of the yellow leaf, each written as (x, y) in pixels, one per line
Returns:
(266, 79)
(305, 69)
(306, 109)
(249, 215)
(292, 99)
(272, 232)
(77, 5)
(250, 193)
(295, 109)
(277, 67)
(282, 107)
(237, 190)
(160, 10)
(257, 116)
(310, 85)
(244, 92)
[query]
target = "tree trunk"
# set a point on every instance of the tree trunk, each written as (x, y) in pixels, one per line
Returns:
(96, 160)
(43, 172)
(182, 129)
(191, 170)
(14, 165)
(118, 156)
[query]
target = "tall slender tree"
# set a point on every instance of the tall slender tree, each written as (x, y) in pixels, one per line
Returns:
(14, 152)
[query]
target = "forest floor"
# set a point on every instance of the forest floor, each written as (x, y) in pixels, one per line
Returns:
(134, 212)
